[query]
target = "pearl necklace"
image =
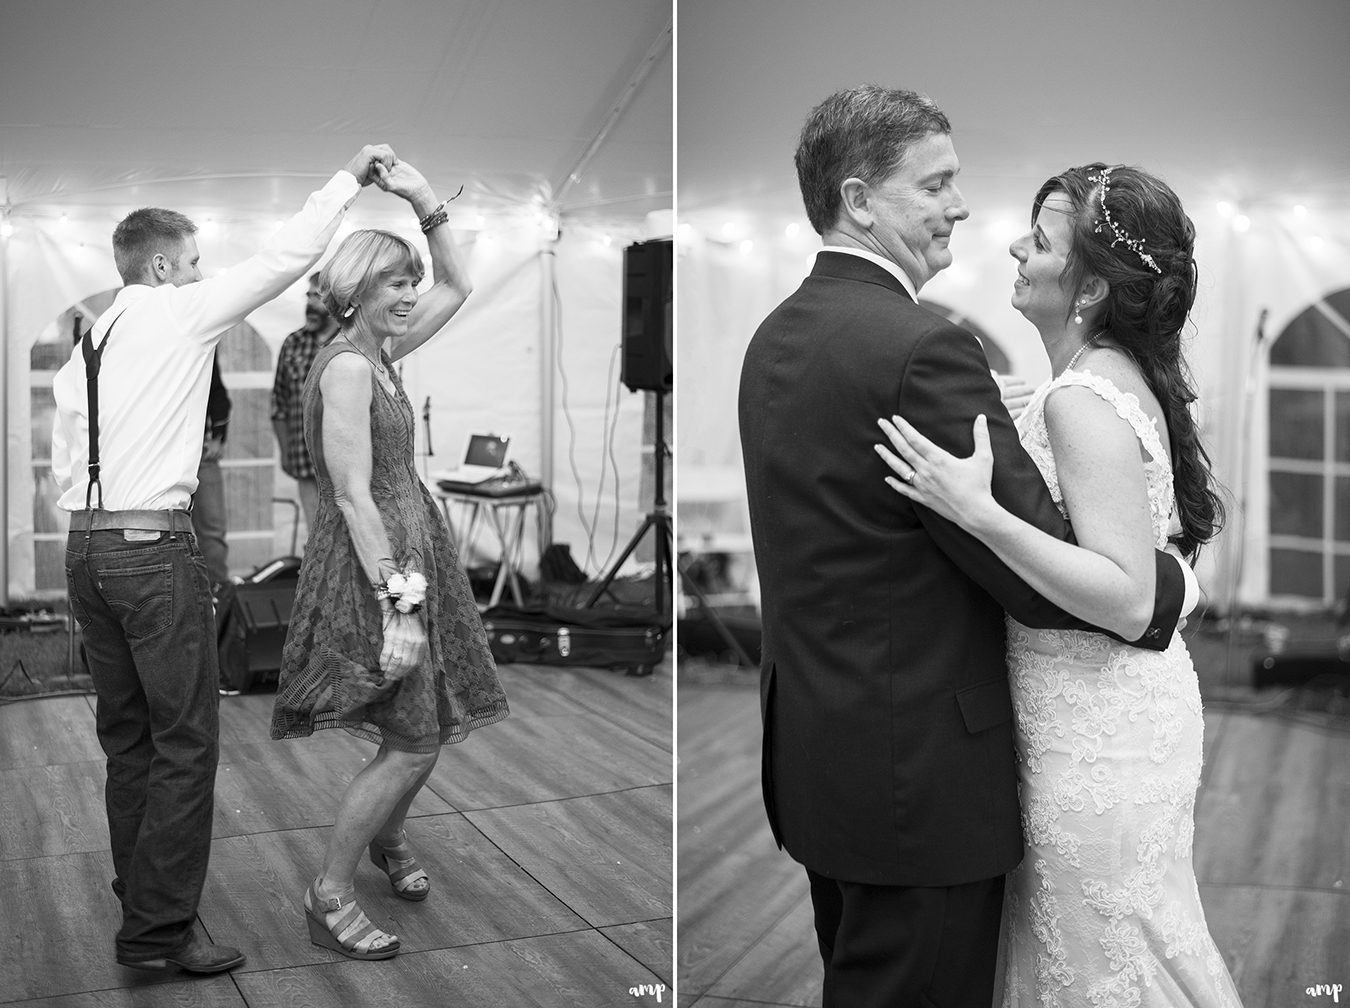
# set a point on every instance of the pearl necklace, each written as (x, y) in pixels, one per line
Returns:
(1083, 349)
(379, 367)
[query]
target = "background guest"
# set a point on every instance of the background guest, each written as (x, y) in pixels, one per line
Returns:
(209, 518)
(293, 364)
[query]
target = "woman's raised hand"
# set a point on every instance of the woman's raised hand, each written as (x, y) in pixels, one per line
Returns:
(957, 489)
(370, 161)
(402, 180)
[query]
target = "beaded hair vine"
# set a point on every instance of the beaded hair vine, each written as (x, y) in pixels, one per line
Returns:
(1137, 244)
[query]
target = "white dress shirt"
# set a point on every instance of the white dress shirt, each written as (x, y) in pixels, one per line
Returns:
(156, 369)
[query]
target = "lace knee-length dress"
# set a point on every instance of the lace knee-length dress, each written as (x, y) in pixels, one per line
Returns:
(1104, 909)
(336, 628)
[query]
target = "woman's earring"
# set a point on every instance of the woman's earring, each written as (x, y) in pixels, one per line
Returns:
(351, 310)
(1078, 315)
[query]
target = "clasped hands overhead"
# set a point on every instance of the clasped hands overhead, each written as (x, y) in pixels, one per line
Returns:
(379, 164)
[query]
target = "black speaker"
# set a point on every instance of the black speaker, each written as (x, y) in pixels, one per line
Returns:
(647, 316)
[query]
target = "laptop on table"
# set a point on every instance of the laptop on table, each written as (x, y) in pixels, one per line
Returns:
(485, 458)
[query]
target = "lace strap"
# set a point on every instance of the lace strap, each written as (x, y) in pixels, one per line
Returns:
(1126, 405)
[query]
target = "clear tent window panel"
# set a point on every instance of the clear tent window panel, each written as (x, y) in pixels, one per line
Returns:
(1308, 451)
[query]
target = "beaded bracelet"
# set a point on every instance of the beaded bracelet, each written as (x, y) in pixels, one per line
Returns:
(438, 216)
(434, 219)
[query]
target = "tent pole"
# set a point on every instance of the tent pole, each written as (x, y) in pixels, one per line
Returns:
(548, 363)
(621, 104)
(4, 399)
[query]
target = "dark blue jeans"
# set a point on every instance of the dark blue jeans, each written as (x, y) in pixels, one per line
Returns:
(144, 607)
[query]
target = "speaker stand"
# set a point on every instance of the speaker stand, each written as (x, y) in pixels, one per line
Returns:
(657, 520)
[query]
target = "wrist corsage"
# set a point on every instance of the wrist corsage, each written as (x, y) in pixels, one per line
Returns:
(405, 589)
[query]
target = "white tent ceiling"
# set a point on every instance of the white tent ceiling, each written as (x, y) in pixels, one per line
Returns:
(232, 112)
(249, 102)
(1243, 99)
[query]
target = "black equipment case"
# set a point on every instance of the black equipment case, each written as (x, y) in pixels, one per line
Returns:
(553, 635)
(252, 618)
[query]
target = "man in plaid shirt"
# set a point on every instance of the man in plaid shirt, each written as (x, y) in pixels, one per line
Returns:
(288, 421)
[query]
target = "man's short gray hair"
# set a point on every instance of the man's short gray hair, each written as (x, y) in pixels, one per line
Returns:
(864, 132)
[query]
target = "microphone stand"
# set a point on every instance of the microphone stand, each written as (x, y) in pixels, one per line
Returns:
(426, 423)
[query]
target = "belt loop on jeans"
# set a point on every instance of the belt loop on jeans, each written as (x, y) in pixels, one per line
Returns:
(94, 519)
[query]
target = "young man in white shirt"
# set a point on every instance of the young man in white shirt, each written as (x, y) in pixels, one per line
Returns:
(138, 583)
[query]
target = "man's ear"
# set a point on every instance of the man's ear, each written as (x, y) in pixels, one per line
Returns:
(855, 202)
(159, 266)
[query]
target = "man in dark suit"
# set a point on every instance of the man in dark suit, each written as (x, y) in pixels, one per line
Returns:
(888, 743)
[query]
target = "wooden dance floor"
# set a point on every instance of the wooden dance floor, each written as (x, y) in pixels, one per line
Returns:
(547, 838)
(1272, 855)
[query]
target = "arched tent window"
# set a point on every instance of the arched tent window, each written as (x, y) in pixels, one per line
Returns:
(998, 360)
(250, 452)
(1309, 454)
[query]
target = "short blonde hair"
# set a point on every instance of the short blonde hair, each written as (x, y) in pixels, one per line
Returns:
(364, 258)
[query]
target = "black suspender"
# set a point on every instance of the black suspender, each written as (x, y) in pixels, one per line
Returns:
(93, 362)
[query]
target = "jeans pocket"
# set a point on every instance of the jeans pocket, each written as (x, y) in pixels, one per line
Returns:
(142, 597)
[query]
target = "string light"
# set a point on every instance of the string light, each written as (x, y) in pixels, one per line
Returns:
(958, 275)
(547, 224)
(1006, 230)
(770, 237)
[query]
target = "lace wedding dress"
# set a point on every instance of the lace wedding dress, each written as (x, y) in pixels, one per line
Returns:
(1104, 909)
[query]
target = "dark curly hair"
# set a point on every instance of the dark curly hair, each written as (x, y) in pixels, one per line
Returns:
(1145, 309)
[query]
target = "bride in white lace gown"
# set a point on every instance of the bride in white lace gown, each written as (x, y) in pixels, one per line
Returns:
(1104, 909)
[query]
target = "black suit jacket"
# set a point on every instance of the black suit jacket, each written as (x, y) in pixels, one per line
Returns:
(888, 744)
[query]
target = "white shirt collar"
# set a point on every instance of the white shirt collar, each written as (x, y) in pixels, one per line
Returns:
(885, 264)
